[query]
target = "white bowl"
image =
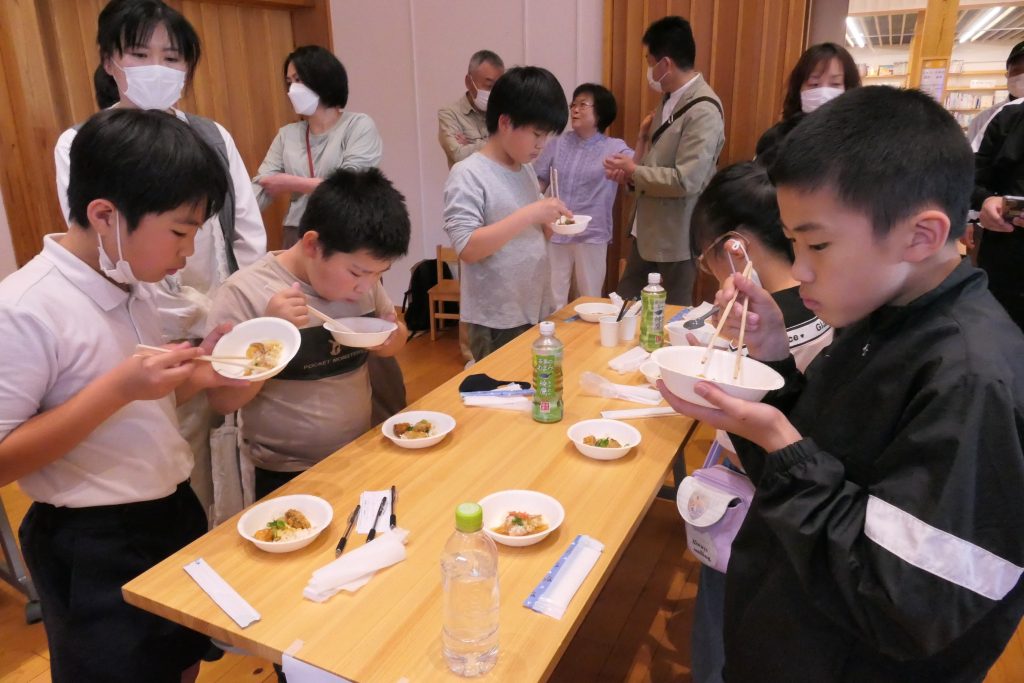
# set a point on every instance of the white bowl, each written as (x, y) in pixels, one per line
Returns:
(317, 510)
(625, 434)
(366, 332)
(593, 313)
(499, 504)
(578, 225)
(237, 341)
(677, 335)
(650, 371)
(442, 424)
(680, 366)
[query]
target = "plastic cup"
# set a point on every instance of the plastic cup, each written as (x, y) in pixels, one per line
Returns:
(627, 328)
(609, 330)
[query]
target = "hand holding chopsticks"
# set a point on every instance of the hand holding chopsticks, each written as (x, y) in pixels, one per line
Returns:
(725, 316)
(240, 361)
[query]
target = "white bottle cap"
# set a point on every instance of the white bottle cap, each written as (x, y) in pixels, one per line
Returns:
(654, 278)
(547, 328)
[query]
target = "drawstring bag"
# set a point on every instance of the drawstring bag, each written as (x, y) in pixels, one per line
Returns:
(713, 502)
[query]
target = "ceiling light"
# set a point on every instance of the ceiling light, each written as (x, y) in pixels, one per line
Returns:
(854, 28)
(981, 24)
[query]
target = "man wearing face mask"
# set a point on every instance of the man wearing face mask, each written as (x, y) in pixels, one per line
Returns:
(462, 125)
(676, 153)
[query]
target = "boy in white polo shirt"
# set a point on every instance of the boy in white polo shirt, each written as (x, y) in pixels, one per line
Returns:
(88, 427)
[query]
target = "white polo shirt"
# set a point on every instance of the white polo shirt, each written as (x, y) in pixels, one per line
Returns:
(62, 325)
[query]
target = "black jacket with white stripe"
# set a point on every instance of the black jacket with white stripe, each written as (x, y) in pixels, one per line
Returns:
(887, 545)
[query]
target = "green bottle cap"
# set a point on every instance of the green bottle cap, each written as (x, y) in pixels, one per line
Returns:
(469, 518)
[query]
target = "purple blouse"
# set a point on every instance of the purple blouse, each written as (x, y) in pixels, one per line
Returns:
(582, 184)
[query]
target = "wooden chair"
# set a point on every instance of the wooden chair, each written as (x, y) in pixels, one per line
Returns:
(446, 290)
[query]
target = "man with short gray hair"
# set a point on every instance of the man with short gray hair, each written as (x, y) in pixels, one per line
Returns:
(462, 125)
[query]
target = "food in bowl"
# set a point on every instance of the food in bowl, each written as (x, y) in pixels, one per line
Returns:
(681, 367)
(291, 526)
(419, 430)
(521, 524)
(602, 442)
(263, 355)
(565, 220)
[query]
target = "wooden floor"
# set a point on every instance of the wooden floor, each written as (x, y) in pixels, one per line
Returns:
(638, 630)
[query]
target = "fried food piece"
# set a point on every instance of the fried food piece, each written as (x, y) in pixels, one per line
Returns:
(266, 535)
(521, 524)
(420, 430)
(603, 442)
(264, 355)
(296, 520)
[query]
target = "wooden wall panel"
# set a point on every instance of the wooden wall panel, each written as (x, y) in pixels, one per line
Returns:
(745, 50)
(48, 55)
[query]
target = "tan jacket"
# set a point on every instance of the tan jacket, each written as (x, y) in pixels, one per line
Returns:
(673, 173)
(460, 117)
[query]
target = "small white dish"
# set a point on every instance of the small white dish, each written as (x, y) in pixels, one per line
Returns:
(625, 434)
(497, 506)
(649, 369)
(362, 333)
(237, 341)
(317, 510)
(680, 366)
(441, 424)
(578, 225)
(593, 312)
(677, 335)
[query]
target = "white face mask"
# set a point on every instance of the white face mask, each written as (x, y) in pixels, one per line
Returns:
(815, 97)
(304, 100)
(122, 272)
(154, 86)
(1015, 84)
(480, 100)
(653, 82)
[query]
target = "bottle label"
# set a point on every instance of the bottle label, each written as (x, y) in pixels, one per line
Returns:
(652, 319)
(547, 385)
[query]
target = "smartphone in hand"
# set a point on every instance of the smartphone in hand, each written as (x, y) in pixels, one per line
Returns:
(1013, 207)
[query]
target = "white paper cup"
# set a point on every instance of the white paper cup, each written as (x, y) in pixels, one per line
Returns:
(627, 328)
(609, 330)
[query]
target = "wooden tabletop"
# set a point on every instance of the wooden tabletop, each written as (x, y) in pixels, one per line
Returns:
(391, 627)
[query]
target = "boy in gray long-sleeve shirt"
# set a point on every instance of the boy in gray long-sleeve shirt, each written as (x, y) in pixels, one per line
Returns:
(495, 217)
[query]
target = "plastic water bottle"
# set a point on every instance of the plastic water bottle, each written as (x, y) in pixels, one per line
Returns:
(652, 313)
(469, 571)
(547, 375)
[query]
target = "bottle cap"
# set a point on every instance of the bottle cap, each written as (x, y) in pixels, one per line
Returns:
(469, 518)
(547, 328)
(654, 278)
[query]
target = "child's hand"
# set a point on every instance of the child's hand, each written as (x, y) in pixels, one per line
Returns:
(758, 423)
(545, 211)
(150, 377)
(289, 304)
(395, 341)
(765, 335)
(204, 376)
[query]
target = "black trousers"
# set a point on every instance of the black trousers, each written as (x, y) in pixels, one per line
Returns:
(677, 277)
(80, 557)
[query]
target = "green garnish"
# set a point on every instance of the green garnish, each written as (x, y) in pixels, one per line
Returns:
(519, 521)
(277, 524)
(603, 443)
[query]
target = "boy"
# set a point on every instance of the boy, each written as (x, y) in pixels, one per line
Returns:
(494, 215)
(87, 427)
(354, 226)
(886, 537)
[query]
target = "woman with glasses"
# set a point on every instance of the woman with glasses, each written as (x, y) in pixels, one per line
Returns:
(735, 220)
(578, 155)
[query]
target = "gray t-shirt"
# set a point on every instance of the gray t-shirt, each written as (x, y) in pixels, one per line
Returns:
(321, 400)
(512, 286)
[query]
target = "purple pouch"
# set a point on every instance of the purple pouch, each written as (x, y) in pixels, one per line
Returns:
(713, 502)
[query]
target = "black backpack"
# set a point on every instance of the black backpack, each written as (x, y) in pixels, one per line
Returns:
(416, 303)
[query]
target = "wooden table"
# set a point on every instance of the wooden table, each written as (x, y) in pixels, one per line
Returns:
(391, 627)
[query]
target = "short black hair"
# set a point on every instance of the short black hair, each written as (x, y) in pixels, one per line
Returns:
(481, 56)
(144, 162)
(1016, 54)
(529, 96)
(321, 72)
(885, 152)
(358, 209)
(605, 109)
(739, 197)
(810, 60)
(124, 24)
(672, 37)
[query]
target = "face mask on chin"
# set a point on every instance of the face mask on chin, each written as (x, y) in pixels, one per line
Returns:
(154, 86)
(121, 272)
(815, 97)
(304, 100)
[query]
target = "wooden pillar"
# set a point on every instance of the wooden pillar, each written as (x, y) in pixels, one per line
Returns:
(932, 44)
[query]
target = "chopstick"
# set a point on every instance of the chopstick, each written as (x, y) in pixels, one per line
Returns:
(739, 346)
(625, 305)
(725, 316)
(554, 183)
(226, 360)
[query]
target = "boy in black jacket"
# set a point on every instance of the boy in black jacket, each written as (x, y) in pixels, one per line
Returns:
(885, 541)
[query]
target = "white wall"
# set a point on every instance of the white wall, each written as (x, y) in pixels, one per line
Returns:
(7, 262)
(407, 58)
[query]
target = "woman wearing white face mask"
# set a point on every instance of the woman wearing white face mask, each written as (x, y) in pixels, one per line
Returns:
(326, 139)
(823, 73)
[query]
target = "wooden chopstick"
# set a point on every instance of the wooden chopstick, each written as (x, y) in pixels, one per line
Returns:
(725, 316)
(739, 346)
(226, 360)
